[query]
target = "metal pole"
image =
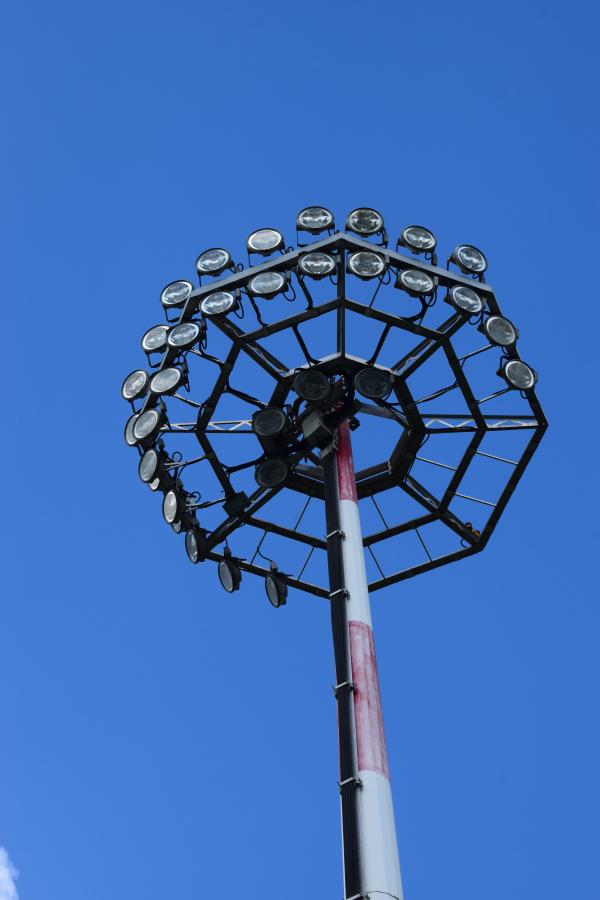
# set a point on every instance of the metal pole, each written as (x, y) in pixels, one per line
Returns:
(371, 865)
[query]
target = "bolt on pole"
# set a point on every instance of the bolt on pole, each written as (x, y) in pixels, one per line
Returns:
(370, 851)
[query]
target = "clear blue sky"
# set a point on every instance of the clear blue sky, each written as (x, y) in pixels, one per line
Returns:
(158, 738)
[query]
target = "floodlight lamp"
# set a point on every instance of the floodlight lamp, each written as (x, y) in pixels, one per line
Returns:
(469, 259)
(192, 545)
(415, 283)
(176, 293)
(265, 241)
(465, 299)
(185, 335)
(166, 381)
(364, 221)
(147, 425)
(314, 219)
(177, 526)
(316, 264)
(499, 331)
(218, 303)
(276, 587)
(518, 375)
(312, 386)
(418, 239)
(267, 284)
(171, 507)
(374, 384)
(269, 422)
(128, 434)
(271, 473)
(154, 485)
(213, 261)
(229, 573)
(135, 385)
(366, 264)
(149, 465)
(155, 339)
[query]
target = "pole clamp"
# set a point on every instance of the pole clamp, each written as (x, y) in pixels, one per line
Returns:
(341, 591)
(353, 780)
(342, 686)
(334, 532)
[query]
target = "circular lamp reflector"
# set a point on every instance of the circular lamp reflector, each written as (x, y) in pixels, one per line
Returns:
(170, 507)
(213, 261)
(312, 385)
(373, 384)
(146, 425)
(519, 375)
(191, 547)
(218, 303)
(148, 466)
(176, 526)
(316, 264)
(265, 241)
(269, 422)
(469, 259)
(366, 264)
(230, 575)
(267, 284)
(465, 299)
(364, 221)
(130, 438)
(500, 331)
(155, 339)
(418, 239)
(166, 381)
(276, 590)
(135, 385)
(184, 336)
(154, 485)
(176, 293)
(314, 219)
(415, 282)
(271, 472)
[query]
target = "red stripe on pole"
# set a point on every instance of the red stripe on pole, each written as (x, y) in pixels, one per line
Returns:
(370, 738)
(346, 480)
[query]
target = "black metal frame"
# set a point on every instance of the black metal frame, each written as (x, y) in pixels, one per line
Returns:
(309, 479)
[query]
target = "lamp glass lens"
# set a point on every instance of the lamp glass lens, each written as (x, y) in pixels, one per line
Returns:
(519, 375)
(500, 331)
(146, 424)
(184, 335)
(135, 385)
(226, 576)
(315, 218)
(416, 282)
(264, 240)
(166, 380)
(191, 546)
(466, 298)
(365, 221)
(217, 303)
(271, 472)
(312, 385)
(170, 507)
(154, 485)
(275, 591)
(366, 264)
(373, 384)
(148, 466)
(213, 261)
(176, 526)
(155, 339)
(267, 283)
(269, 422)
(418, 238)
(176, 293)
(316, 264)
(130, 438)
(470, 258)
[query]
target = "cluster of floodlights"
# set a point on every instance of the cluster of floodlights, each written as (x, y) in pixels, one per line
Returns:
(288, 434)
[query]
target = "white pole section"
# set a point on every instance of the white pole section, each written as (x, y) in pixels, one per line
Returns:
(376, 824)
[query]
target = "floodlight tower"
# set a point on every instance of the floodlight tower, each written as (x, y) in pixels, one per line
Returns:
(301, 444)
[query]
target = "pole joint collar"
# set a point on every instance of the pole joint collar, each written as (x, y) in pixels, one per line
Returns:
(353, 780)
(342, 686)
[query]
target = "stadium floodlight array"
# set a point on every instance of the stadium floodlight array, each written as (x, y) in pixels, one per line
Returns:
(425, 323)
